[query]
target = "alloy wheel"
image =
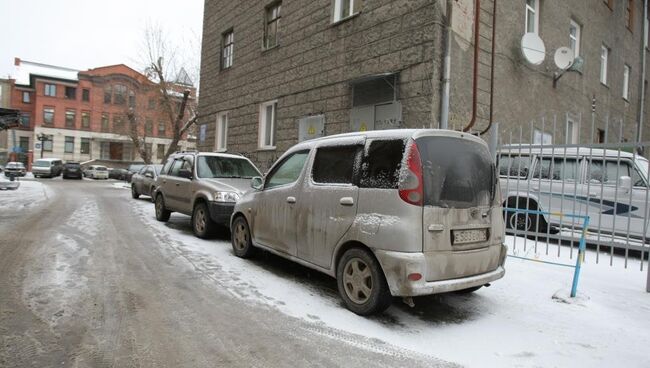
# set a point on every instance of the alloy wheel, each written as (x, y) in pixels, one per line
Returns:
(357, 280)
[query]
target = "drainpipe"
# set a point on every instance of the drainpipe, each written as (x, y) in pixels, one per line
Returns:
(446, 71)
(639, 130)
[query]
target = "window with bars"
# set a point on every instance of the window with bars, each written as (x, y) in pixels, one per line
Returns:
(272, 25)
(227, 49)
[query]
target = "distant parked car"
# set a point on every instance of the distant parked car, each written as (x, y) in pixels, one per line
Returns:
(134, 168)
(97, 172)
(15, 169)
(203, 185)
(47, 167)
(394, 213)
(72, 170)
(117, 174)
(144, 181)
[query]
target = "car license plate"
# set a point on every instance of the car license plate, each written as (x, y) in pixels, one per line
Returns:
(469, 236)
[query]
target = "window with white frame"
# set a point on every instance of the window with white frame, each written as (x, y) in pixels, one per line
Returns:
(50, 90)
(344, 9)
(532, 16)
(221, 136)
(604, 55)
(571, 131)
(267, 124)
(574, 37)
(227, 49)
(626, 82)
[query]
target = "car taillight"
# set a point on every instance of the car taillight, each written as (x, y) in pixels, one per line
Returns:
(410, 180)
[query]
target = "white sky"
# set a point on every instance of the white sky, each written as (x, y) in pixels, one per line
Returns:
(85, 34)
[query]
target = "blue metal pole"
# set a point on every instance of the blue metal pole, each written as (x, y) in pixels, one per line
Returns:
(581, 257)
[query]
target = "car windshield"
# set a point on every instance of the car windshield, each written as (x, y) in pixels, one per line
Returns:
(225, 167)
(458, 173)
(40, 163)
(15, 165)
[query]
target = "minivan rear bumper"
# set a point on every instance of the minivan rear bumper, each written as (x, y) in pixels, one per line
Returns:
(398, 265)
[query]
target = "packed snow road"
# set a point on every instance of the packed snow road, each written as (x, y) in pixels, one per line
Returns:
(86, 282)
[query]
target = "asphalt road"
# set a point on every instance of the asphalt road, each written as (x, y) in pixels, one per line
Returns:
(83, 283)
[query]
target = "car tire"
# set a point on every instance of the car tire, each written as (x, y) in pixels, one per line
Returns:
(468, 290)
(202, 225)
(240, 236)
(162, 213)
(524, 222)
(134, 192)
(361, 282)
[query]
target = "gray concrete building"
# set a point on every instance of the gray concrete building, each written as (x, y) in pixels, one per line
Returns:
(277, 72)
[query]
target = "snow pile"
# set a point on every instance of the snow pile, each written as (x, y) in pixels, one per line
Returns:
(121, 185)
(29, 194)
(515, 322)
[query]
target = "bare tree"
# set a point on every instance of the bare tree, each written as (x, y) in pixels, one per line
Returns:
(171, 87)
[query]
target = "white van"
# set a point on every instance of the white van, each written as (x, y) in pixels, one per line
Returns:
(47, 167)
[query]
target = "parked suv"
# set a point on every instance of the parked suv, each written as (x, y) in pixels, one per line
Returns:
(202, 185)
(387, 213)
(144, 181)
(15, 169)
(72, 170)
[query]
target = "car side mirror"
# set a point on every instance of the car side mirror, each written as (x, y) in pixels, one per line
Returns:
(625, 183)
(257, 183)
(185, 173)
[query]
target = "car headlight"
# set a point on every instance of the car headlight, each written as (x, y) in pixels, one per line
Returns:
(230, 197)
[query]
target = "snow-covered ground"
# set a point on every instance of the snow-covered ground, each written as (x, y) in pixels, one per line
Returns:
(515, 322)
(29, 193)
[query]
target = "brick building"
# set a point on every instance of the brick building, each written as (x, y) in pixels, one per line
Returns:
(276, 72)
(84, 113)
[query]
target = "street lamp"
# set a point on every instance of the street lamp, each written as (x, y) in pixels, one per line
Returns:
(42, 138)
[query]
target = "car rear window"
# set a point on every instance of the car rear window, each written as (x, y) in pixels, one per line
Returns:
(335, 165)
(101, 168)
(457, 173)
(381, 164)
(74, 166)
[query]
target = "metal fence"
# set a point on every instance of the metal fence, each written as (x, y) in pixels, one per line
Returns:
(565, 165)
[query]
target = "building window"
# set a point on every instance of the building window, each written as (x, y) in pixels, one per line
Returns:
(222, 132)
(148, 127)
(268, 124)
(104, 122)
(107, 94)
(85, 95)
(532, 16)
(160, 151)
(344, 9)
(604, 55)
(69, 145)
(23, 143)
(629, 14)
(24, 120)
(119, 94)
(85, 119)
(227, 49)
(50, 90)
(131, 99)
(48, 115)
(26, 97)
(571, 131)
(48, 143)
(161, 128)
(70, 93)
(118, 124)
(626, 82)
(600, 136)
(70, 117)
(271, 25)
(84, 149)
(151, 104)
(574, 37)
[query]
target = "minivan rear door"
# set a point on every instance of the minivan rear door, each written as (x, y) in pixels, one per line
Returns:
(459, 189)
(329, 200)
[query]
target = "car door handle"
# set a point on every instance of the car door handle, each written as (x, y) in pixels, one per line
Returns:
(535, 188)
(347, 201)
(177, 184)
(291, 200)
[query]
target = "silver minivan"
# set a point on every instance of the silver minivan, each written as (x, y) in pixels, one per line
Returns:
(47, 167)
(387, 213)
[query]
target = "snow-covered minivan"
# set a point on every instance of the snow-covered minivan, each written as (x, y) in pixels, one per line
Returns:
(387, 213)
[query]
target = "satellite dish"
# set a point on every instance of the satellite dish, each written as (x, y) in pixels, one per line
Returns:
(564, 58)
(532, 47)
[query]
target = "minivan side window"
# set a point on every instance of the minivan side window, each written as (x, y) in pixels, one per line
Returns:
(288, 171)
(381, 164)
(610, 172)
(335, 165)
(559, 168)
(514, 166)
